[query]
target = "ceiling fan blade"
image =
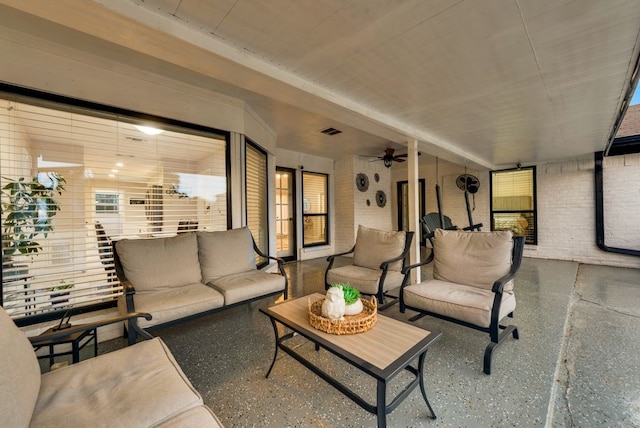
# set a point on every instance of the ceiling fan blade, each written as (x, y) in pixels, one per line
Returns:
(401, 156)
(398, 159)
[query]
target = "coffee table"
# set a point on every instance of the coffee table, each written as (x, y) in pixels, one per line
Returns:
(382, 352)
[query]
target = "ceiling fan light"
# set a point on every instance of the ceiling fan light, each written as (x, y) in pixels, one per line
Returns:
(387, 162)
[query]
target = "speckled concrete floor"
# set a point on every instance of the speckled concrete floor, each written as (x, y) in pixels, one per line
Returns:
(577, 363)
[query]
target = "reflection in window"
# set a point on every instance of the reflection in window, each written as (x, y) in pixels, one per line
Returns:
(118, 180)
(315, 208)
(513, 202)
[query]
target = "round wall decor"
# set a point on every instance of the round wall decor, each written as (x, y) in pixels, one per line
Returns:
(376, 177)
(381, 198)
(362, 182)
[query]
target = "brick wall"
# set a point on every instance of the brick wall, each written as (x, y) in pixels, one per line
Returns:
(566, 206)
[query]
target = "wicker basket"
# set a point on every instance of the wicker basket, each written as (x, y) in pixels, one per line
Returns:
(351, 324)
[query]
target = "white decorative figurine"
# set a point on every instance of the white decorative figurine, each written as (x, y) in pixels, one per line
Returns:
(333, 305)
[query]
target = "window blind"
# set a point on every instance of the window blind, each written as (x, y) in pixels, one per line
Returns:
(256, 196)
(113, 182)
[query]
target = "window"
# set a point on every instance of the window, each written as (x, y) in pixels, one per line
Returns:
(107, 203)
(256, 195)
(93, 178)
(315, 208)
(513, 202)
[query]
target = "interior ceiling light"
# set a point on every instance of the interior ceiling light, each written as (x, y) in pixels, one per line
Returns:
(148, 130)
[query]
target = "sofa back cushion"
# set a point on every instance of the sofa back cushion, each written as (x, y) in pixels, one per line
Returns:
(375, 246)
(19, 374)
(472, 258)
(160, 262)
(225, 253)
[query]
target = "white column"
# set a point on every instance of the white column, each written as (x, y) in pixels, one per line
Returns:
(414, 206)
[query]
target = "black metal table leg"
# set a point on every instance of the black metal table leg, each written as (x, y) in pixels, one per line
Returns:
(422, 387)
(381, 404)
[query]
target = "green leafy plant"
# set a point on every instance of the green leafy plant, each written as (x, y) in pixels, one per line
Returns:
(28, 207)
(63, 285)
(351, 294)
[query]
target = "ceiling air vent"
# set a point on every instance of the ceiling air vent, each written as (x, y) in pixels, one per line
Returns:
(331, 131)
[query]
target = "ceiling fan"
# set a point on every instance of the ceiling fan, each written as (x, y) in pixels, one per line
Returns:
(389, 157)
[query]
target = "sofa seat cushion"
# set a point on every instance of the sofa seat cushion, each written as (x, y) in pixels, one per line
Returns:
(375, 246)
(137, 386)
(150, 264)
(247, 285)
(200, 416)
(461, 302)
(168, 304)
(364, 279)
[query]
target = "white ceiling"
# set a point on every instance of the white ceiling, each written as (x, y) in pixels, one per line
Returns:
(484, 82)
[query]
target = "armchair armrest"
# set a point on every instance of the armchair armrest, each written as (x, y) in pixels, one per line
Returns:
(331, 258)
(280, 262)
(518, 247)
(127, 287)
(59, 334)
(405, 251)
(426, 261)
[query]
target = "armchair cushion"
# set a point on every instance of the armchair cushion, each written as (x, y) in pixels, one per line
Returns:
(136, 386)
(457, 301)
(242, 286)
(160, 262)
(366, 280)
(19, 374)
(472, 258)
(225, 253)
(375, 246)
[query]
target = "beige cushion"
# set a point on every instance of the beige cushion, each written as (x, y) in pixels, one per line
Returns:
(138, 386)
(169, 304)
(472, 258)
(242, 286)
(160, 262)
(225, 253)
(200, 416)
(19, 375)
(375, 246)
(364, 279)
(461, 302)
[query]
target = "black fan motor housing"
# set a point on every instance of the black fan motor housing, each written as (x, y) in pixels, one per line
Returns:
(468, 183)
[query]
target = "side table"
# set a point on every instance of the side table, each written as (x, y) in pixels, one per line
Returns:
(77, 340)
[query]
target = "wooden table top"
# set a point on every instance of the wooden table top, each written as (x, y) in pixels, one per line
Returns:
(389, 341)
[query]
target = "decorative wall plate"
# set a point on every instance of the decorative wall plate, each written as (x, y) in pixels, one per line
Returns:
(381, 198)
(376, 177)
(362, 182)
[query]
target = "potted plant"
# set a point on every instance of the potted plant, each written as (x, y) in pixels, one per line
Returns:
(353, 304)
(28, 207)
(59, 291)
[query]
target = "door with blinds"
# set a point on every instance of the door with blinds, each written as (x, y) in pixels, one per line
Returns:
(285, 214)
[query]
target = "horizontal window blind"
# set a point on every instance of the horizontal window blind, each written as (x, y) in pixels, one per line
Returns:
(95, 180)
(256, 194)
(315, 208)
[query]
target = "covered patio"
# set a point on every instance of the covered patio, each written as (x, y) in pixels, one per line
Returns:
(575, 364)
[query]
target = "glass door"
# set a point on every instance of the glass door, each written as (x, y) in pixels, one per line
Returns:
(285, 214)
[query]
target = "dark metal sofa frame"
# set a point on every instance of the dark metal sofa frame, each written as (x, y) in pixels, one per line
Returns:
(129, 291)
